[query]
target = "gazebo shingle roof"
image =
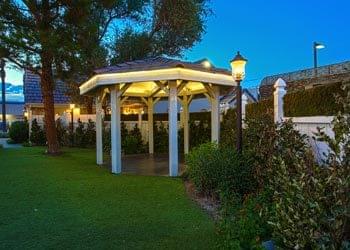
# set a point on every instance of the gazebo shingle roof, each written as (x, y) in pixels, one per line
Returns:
(159, 63)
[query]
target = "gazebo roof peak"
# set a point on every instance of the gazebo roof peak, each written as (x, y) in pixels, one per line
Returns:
(159, 62)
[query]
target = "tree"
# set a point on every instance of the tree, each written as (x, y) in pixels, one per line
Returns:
(46, 37)
(172, 27)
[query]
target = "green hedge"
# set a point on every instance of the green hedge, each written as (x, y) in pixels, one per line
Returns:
(319, 100)
(254, 110)
(316, 101)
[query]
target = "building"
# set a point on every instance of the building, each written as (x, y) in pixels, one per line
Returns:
(307, 78)
(14, 111)
(33, 97)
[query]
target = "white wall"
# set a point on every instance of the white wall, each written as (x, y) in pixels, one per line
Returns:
(305, 125)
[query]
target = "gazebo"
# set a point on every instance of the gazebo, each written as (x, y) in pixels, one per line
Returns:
(149, 81)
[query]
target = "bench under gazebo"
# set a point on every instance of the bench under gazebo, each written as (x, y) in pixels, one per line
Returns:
(150, 81)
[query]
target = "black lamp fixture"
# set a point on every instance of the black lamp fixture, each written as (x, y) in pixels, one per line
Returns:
(238, 72)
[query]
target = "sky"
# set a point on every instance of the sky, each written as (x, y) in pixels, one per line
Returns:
(276, 36)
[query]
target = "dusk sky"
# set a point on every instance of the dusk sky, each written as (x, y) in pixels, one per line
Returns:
(275, 36)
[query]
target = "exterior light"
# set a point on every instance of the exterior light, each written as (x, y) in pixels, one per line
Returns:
(72, 106)
(316, 46)
(238, 67)
(26, 114)
(206, 64)
(319, 45)
(238, 72)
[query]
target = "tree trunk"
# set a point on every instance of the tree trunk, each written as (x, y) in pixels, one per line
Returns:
(47, 87)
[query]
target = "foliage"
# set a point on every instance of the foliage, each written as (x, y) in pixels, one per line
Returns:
(19, 131)
(132, 143)
(37, 134)
(200, 132)
(79, 134)
(312, 203)
(255, 110)
(62, 133)
(228, 128)
(161, 138)
(220, 171)
(242, 225)
(90, 134)
(313, 102)
(168, 30)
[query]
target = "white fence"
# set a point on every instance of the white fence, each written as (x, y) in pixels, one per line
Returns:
(305, 125)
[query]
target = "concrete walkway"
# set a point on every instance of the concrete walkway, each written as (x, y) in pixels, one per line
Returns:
(3, 142)
(145, 164)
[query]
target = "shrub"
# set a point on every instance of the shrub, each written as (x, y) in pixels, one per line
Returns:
(19, 131)
(200, 132)
(215, 170)
(62, 133)
(242, 225)
(312, 102)
(228, 129)
(79, 134)
(161, 138)
(255, 110)
(37, 134)
(90, 134)
(312, 203)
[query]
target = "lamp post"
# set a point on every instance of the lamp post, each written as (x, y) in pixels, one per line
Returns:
(72, 106)
(238, 72)
(316, 46)
(3, 94)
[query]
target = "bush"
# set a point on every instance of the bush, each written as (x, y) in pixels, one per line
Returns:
(19, 131)
(200, 132)
(255, 110)
(79, 134)
(90, 134)
(37, 134)
(312, 203)
(242, 225)
(62, 133)
(228, 129)
(161, 138)
(220, 171)
(312, 102)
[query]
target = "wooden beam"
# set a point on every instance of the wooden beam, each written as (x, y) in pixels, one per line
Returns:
(181, 86)
(209, 90)
(155, 92)
(156, 100)
(124, 89)
(144, 100)
(190, 99)
(124, 99)
(162, 86)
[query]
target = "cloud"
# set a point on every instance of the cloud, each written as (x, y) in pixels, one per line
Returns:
(14, 93)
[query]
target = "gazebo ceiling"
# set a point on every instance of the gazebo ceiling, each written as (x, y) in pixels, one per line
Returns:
(149, 77)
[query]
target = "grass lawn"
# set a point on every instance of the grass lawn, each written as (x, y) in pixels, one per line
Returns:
(68, 202)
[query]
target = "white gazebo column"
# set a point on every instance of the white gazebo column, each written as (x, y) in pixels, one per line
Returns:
(150, 125)
(185, 116)
(215, 115)
(173, 140)
(115, 131)
(99, 146)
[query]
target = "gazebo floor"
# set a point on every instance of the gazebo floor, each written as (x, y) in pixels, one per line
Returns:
(145, 164)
